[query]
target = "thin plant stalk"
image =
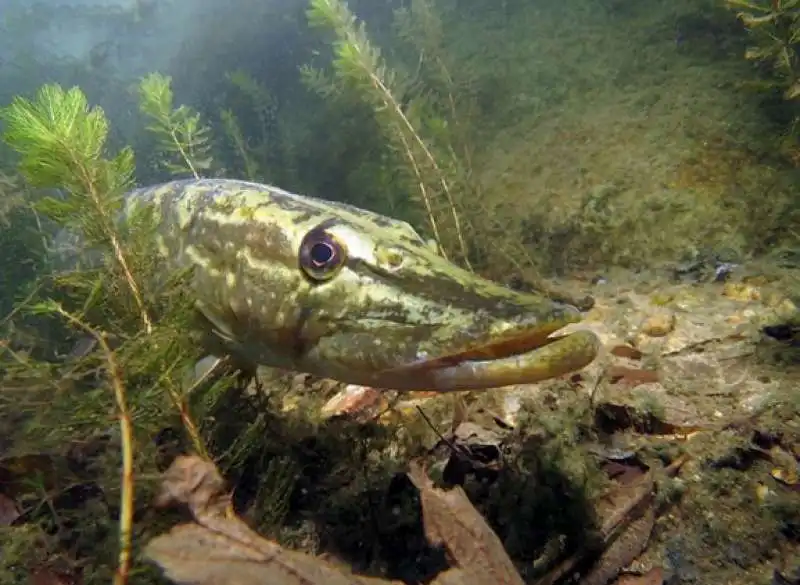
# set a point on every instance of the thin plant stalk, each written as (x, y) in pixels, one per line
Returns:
(391, 102)
(126, 434)
(116, 246)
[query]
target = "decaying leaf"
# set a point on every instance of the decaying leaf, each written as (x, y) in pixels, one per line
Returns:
(452, 521)
(58, 571)
(623, 550)
(220, 548)
(654, 576)
(473, 447)
(470, 447)
(626, 516)
(9, 511)
(625, 351)
(459, 577)
(631, 376)
(232, 554)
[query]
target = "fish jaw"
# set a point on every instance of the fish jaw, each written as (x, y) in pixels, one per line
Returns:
(444, 348)
(561, 356)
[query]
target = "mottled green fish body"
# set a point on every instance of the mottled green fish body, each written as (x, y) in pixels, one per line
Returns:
(315, 286)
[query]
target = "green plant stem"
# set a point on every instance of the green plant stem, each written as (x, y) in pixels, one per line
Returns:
(126, 434)
(116, 246)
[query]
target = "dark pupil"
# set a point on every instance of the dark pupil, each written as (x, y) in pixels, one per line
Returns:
(321, 253)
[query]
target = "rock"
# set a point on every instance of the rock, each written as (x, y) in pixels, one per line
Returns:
(659, 324)
(741, 292)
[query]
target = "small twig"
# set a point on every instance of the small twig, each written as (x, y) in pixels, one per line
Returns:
(126, 434)
(179, 400)
(19, 306)
(442, 438)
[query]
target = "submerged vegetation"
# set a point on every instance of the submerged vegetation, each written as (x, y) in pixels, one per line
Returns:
(774, 29)
(520, 161)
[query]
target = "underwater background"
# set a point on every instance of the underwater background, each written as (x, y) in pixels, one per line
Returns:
(638, 159)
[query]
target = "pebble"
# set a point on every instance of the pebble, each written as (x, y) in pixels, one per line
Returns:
(659, 324)
(741, 292)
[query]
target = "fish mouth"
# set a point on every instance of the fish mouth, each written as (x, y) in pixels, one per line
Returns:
(515, 345)
(517, 359)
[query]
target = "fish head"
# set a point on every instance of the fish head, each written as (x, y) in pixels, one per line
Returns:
(325, 288)
(384, 309)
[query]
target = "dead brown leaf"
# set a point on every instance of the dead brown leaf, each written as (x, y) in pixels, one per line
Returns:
(220, 549)
(471, 447)
(623, 473)
(232, 554)
(46, 577)
(654, 576)
(360, 402)
(458, 577)
(629, 410)
(9, 511)
(631, 376)
(451, 520)
(623, 550)
(627, 516)
(626, 351)
(57, 572)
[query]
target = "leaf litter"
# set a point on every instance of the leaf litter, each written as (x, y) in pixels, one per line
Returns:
(219, 548)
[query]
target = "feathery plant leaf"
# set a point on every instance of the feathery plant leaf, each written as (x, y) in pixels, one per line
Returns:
(269, 153)
(181, 134)
(61, 142)
(356, 59)
(12, 197)
(233, 130)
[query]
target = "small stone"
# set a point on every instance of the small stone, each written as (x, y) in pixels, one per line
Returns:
(741, 292)
(785, 309)
(659, 324)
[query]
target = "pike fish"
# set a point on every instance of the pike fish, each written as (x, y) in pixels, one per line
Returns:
(325, 288)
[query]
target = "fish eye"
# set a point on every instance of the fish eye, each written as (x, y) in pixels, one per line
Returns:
(321, 255)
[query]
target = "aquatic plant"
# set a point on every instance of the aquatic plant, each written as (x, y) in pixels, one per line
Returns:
(774, 27)
(359, 66)
(265, 151)
(113, 338)
(183, 139)
(233, 132)
(22, 240)
(61, 145)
